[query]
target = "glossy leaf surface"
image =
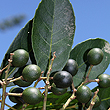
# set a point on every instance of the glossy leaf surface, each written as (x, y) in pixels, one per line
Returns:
(21, 41)
(79, 53)
(53, 31)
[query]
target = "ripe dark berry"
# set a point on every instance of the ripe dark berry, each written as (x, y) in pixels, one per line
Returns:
(32, 95)
(62, 79)
(95, 56)
(31, 72)
(104, 80)
(20, 58)
(71, 67)
(15, 99)
(58, 91)
(83, 94)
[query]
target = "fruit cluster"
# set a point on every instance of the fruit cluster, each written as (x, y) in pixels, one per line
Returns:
(61, 80)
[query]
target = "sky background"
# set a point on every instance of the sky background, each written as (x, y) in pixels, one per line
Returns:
(92, 21)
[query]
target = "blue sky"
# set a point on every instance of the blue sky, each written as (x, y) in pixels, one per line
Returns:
(92, 21)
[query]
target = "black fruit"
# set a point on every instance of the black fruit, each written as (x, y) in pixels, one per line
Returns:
(15, 99)
(83, 94)
(32, 95)
(71, 67)
(58, 91)
(95, 56)
(97, 101)
(31, 72)
(21, 83)
(20, 58)
(62, 79)
(104, 80)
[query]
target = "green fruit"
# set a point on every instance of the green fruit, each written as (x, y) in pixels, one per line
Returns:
(83, 94)
(58, 91)
(15, 99)
(32, 95)
(31, 72)
(95, 56)
(97, 101)
(104, 80)
(62, 79)
(21, 83)
(71, 67)
(20, 58)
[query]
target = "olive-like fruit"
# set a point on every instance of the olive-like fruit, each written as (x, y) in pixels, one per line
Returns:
(97, 101)
(95, 56)
(15, 99)
(62, 79)
(58, 91)
(32, 95)
(20, 58)
(83, 94)
(71, 67)
(21, 82)
(104, 80)
(31, 72)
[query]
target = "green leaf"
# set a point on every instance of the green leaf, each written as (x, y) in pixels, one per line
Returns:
(22, 40)
(79, 53)
(53, 31)
(104, 94)
(54, 102)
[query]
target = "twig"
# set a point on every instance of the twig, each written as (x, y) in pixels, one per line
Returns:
(14, 94)
(38, 79)
(93, 100)
(70, 99)
(9, 106)
(87, 77)
(47, 81)
(5, 82)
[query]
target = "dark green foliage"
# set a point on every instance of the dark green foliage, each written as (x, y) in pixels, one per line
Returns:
(32, 95)
(53, 31)
(79, 54)
(83, 94)
(95, 56)
(58, 91)
(71, 67)
(15, 99)
(20, 58)
(104, 80)
(31, 72)
(62, 79)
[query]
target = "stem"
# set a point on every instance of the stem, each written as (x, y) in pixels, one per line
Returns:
(5, 82)
(15, 79)
(38, 79)
(9, 106)
(47, 82)
(87, 77)
(15, 94)
(93, 100)
(70, 99)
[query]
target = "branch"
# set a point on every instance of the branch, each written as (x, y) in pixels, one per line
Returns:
(47, 81)
(93, 100)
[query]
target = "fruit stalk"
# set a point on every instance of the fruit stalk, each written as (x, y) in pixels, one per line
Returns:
(5, 82)
(70, 99)
(87, 77)
(9, 106)
(47, 81)
(93, 100)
